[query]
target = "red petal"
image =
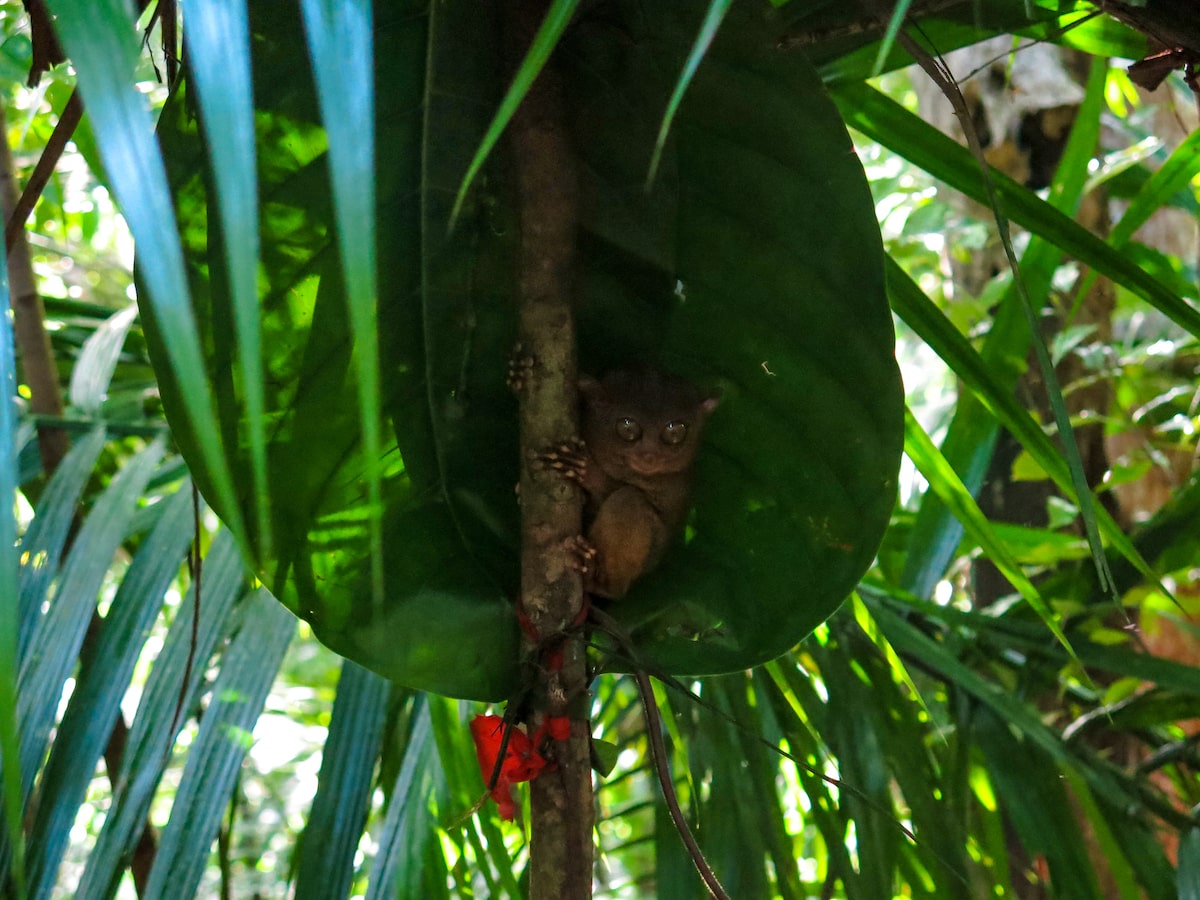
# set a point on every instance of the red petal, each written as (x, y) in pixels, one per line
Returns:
(505, 805)
(521, 761)
(488, 733)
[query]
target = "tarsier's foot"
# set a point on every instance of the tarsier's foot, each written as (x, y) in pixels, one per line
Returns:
(520, 368)
(581, 553)
(569, 459)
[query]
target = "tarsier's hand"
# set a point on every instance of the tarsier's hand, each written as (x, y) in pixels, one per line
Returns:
(582, 553)
(569, 459)
(520, 368)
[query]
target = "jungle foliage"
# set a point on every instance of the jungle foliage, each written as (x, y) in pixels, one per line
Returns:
(326, 296)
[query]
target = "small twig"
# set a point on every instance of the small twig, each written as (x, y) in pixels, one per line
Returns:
(629, 655)
(224, 841)
(84, 424)
(47, 51)
(658, 754)
(169, 19)
(68, 120)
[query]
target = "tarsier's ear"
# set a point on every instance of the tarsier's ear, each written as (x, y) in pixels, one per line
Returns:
(591, 389)
(710, 403)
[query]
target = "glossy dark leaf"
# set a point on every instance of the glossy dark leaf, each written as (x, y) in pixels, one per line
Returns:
(754, 265)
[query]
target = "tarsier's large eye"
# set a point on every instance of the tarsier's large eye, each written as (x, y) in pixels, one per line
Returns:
(674, 433)
(628, 429)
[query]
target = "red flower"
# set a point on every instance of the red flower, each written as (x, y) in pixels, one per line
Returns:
(522, 762)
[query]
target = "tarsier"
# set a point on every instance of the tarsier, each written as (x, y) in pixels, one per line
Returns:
(641, 430)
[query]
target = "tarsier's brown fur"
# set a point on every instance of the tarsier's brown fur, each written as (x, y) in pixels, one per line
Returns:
(641, 431)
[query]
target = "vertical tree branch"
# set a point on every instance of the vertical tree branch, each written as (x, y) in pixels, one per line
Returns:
(29, 323)
(551, 591)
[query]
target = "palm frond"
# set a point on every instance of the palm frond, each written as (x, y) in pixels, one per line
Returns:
(103, 49)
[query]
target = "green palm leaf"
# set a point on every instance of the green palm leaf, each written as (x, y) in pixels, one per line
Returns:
(406, 838)
(103, 49)
(58, 634)
(343, 800)
(218, 57)
(887, 122)
(248, 667)
(9, 606)
(95, 702)
(154, 728)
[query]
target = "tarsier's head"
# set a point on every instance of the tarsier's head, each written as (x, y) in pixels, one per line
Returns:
(644, 422)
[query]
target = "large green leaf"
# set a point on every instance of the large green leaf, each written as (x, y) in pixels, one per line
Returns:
(752, 265)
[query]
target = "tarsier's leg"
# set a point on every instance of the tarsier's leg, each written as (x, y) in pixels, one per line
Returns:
(625, 535)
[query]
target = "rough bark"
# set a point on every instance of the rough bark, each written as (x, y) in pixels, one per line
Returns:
(551, 590)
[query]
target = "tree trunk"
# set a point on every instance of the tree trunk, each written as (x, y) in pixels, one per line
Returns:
(551, 589)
